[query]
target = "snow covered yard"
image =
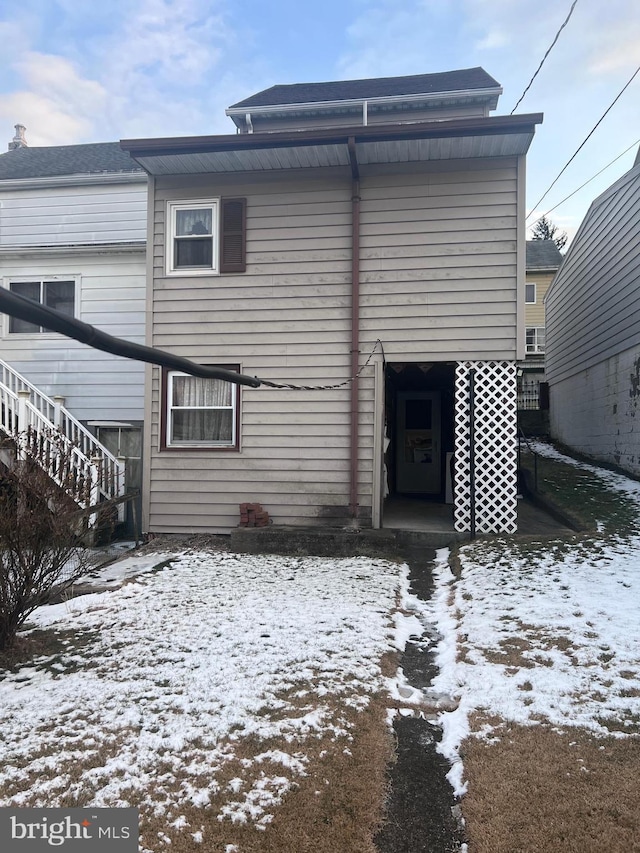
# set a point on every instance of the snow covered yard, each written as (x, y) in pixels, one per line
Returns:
(203, 692)
(540, 643)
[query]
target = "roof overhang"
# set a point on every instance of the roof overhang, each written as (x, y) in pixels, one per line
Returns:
(497, 136)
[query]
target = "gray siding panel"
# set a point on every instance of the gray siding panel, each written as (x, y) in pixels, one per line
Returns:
(438, 282)
(593, 306)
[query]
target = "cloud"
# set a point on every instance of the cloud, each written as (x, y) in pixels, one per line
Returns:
(57, 105)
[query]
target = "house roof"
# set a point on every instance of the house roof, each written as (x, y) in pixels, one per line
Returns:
(543, 255)
(497, 136)
(59, 160)
(377, 87)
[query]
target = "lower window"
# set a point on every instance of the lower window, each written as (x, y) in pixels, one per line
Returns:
(535, 340)
(200, 412)
(57, 294)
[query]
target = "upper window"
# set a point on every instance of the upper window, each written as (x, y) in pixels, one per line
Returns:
(200, 412)
(530, 294)
(57, 294)
(206, 237)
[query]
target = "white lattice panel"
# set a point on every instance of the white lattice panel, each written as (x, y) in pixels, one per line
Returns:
(495, 447)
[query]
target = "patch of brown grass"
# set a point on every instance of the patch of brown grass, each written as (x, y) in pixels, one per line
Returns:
(336, 806)
(539, 791)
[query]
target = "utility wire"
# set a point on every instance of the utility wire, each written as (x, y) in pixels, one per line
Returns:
(33, 312)
(550, 48)
(592, 178)
(585, 140)
(286, 387)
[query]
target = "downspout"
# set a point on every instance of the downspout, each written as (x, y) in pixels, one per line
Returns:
(355, 327)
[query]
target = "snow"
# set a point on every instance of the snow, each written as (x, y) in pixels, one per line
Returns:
(535, 632)
(189, 654)
(185, 662)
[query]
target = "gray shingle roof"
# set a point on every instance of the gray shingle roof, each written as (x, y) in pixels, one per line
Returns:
(56, 160)
(418, 84)
(543, 255)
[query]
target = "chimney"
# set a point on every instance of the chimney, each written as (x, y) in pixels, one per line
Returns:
(18, 140)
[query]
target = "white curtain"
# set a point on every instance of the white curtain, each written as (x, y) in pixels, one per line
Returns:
(203, 418)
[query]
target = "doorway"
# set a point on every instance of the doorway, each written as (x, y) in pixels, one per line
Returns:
(419, 439)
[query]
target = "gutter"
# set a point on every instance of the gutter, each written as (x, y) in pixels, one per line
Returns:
(355, 329)
(86, 180)
(483, 94)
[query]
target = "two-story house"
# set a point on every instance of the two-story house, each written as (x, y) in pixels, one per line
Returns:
(72, 237)
(359, 245)
(543, 261)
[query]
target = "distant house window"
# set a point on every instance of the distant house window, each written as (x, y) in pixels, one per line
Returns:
(200, 412)
(530, 294)
(57, 294)
(206, 238)
(535, 340)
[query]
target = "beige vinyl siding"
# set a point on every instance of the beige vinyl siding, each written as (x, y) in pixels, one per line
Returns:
(285, 319)
(438, 264)
(534, 314)
(73, 215)
(438, 282)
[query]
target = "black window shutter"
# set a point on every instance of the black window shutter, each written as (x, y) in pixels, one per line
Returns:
(233, 235)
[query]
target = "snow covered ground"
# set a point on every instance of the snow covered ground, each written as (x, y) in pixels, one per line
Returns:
(541, 632)
(161, 681)
(185, 663)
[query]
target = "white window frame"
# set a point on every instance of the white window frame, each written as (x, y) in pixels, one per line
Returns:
(7, 281)
(535, 293)
(197, 204)
(233, 444)
(535, 348)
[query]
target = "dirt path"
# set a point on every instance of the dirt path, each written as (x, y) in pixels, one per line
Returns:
(419, 817)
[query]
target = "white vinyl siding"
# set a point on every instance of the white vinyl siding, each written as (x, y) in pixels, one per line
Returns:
(438, 282)
(110, 295)
(112, 213)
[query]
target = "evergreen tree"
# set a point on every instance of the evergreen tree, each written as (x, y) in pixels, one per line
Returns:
(544, 229)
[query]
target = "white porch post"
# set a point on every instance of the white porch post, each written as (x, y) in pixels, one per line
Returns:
(58, 403)
(22, 424)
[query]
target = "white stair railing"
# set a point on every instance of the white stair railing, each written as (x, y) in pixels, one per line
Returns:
(25, 410)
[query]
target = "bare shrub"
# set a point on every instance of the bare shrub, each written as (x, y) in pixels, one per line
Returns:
(41, 529)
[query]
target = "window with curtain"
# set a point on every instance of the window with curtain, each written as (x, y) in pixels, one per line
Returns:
(59, 295)
(193, 237)
(200, 412)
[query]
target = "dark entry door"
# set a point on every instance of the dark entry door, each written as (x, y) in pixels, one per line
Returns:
(418, 449)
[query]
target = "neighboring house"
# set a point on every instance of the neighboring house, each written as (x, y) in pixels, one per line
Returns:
(72, 236)
(593, 331)
(543, 261)
(374, 210)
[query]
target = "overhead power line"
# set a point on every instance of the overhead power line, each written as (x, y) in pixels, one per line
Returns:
(585, 140)
(549, 49)
(18, 306)
(592, 178)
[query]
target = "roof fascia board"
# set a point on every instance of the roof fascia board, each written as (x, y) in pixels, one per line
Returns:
(89, 179)
(358, 102)
(299, 138)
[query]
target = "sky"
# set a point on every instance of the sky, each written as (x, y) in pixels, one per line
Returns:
(75, 72)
